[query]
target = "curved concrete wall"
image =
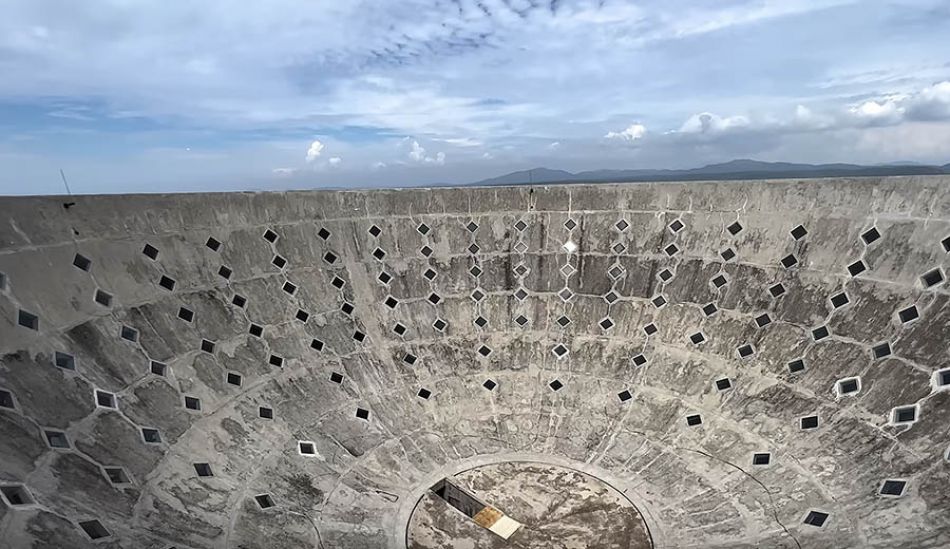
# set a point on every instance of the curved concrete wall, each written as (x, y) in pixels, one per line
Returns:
(392, 359)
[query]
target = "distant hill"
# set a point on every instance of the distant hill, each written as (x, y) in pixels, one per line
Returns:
(732, 170)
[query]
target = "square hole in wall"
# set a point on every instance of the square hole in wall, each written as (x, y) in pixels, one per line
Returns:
(213, 243)
(902, 415)
(6, 400)
(606, 323)
(893, 488)
(484, 350)
(302, 316)
(520, 225)
(94, 529)
(316, 344)
(521, 294)
(619, 248)
(279, 261)
(264, 501)
(521, 320)
(289, 287)
(186, 314)
(475, 271)
(665, 275)
(521, 269)
(946, 244)
(881, 350)
(789, 261)
(129, 334)
(362, 413)
(808, 422)
(265, 413)
(434, 298)
(798, 232)
(103, 298)
(908, 314)
(410, 358)
(676, 226)
(848, 386)
(374, 231)
(64, 361)
(330, 258)
(776, 290)
(306, 448)
(745, 351)
(560, 350)
(347, 308)
(429, 274)
(323, 233)
(697, 338)
(816, 518)
(763, 320)
(472, 226)
(424, 393)
(671, 250)
(150, 251)
(16, 495)
(489, 384)
(622, 225)
(336, 377)
(203, 470)
(870, 235)
(399, 329)
(857, 268)
(423, 229)
(481, 321)
(565, 294)
(82, 262)
(820, 333)
(624, 395)
(723, 384)
(639, 360)
(105, 399)
(521, 247)
(611, 297)
(235, 379)
(56, 439)
(270, 236)
(151, 436)
(570, 224)
(225, 272)
(117, 476)
(477, 295)
(275, 360)
(379, 254)
(710, 309)
(337, 283)
(734, 228)
(193, 403)
(694, 420)
(556, 385)
(727, 254)
(207, 346)
(839, 300)
(425, 251)
(932, 278)
(384, 277)
(28, 320)
(167, 283)
(796, 366)
(650, 329)
(658, 301)
(440, 325)
(719, 281)
(359, 336)
(567, 270)
(255, 330)
(761, 458)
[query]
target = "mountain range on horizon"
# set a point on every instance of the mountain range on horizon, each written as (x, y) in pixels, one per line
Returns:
(732, 170)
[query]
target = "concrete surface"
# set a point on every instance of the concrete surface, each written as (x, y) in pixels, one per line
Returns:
(376, 445)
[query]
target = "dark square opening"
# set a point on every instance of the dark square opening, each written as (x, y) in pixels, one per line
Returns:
(104, 399)
(302, 315)
(150, 251)
(563, 321)
(338, 282)
(384, 277)
(570, 224)
(489, 384)
(117, 475)
(347, 308)
(439, 324)
(264, 501)
(83, 262)
(776, 290)
(472, 226)
(520, 225)
(857, 268)
(763, 320)
(694, 420)
(57, 439)
(723, 384)
(816, 518)
(279, 262)
(152, 436)
(213, 244)
(481, 321)
(425, 251)
(745, 351)
(256, 330)
(932, 278)
(820, 333)
(946, 244)
(307, 448)
(103, 298)
(676, 226)
(556, 385)
(475, 271)
(560, 350)
(410, 358)
(323, 233)
(671, 250)
(17, 495)
(6, 399)
(473, 248)
(434, 298)
(94, 529)
(905, 414)
(65, 361)
(129, 334)
(839, 300)
(203, 470)
(893, 487)
(336, 377)
(719, 281)
(275, 360)
(796, 366)
(167, 283)
(186, 314)
(848, 386)
(697, 338)
(789, 261)
(207, 346)
(809, 422)
(234, 379)
(265, 412)
(881, 350)
(943, 377)
(28, 320)
(362, 413)
(423, 229)
(870, 235)
(799, 232)
(908, 314)
(316, 344)
(375, 231)
(399, 329)
(606, 323)
(734, 228)
(658, 301)
(639, 360)
(521, 320)
(359, 336)
(484, 350)
(429, 274)
(728, 254)
(379, 254)
(761, 458)
(424, 393)
(624, 395)
(391, 302)
(224, 272)
(710, 309)
(650, 329)
(665, 275)
(192, 403)
(330, 257)
(270, 236)
(289, 287)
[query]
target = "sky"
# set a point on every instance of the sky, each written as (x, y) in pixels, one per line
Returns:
(129, 96)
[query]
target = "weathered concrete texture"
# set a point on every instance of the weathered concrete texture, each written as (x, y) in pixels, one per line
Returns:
(403, 306)
(558, 508)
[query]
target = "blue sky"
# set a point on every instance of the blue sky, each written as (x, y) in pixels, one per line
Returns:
(147, 96)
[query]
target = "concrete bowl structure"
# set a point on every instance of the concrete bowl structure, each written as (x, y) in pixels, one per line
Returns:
(679, 365)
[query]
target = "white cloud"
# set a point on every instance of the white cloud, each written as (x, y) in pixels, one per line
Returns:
(316, 148)
(334, 161)
(284, 172)
(631, 133)
(555, 145)
(706, 123)
(932, 103)
(883, 112)
(418, 155)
